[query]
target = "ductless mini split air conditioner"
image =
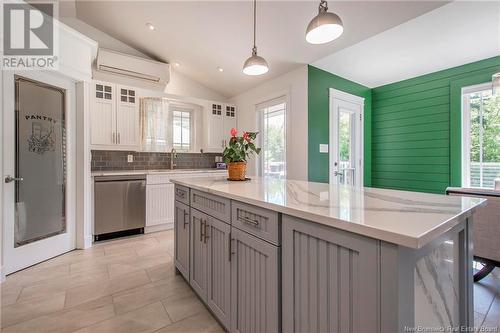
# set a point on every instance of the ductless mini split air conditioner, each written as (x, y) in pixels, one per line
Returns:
(131, 68)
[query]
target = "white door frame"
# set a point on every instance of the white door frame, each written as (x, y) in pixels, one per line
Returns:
(335, 96)
(29, 254)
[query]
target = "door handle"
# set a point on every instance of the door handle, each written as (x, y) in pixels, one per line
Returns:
(119, 138)
(201, 230)
(10, 179)
(337, 173)
(230, 253)
(113, 138)
(206, 232)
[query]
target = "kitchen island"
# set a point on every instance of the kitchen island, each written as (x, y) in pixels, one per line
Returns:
(271, 255)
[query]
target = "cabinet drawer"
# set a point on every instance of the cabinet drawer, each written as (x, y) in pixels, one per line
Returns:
(182, 194)
(212, 205)
(257, 221)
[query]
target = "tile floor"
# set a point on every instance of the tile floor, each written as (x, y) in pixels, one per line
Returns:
(125, 285)
(129, 285)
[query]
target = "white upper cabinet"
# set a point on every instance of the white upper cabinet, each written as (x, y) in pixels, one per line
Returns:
(221, 118)
(103, 114)
(127, 117)
(114, 117)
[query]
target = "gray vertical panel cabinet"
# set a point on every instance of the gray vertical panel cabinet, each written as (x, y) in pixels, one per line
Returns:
(330, 279)
(181, 228)
(219, 273)
(210, 263)
(198, 263)
(254, 284)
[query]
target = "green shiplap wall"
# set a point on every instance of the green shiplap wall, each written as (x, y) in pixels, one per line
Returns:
(319, 82)
(416, 128)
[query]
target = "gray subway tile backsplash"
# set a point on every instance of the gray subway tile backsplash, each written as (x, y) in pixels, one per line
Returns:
(111, 160)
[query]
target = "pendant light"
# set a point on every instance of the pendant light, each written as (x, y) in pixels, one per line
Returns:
(324, 27)
(255, 65)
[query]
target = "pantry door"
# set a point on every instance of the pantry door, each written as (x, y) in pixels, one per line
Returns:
(39, 156)
(346, 139)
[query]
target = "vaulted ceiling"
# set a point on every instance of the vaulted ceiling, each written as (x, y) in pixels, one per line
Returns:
(204, 35)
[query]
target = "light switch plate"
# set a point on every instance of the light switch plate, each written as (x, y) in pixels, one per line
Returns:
(323, 148)
(130, 158)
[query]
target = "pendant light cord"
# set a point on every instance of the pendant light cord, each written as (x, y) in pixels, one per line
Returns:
(254, 49)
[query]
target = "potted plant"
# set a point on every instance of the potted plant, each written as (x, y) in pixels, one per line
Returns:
(236, 154)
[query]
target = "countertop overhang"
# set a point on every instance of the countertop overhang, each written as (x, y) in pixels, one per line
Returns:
(410, 219)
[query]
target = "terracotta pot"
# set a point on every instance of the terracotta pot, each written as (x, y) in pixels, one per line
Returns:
(237, 170)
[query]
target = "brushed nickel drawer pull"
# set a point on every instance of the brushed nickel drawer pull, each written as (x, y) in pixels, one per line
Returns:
(253, 222)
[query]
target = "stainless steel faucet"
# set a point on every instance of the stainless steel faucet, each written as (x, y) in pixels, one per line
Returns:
(173, 156)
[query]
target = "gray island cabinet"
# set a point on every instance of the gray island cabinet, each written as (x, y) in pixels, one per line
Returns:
(292, 256)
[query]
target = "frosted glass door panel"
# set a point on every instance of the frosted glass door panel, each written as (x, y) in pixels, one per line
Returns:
(40, 162)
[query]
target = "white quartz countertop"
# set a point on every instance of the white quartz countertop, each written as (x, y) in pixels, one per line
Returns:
(409, 219)
(155, 172)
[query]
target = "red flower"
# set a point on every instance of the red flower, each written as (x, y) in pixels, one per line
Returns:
(234, 132)
(246, 136)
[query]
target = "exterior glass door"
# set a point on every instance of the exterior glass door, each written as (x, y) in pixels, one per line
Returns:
(346, 139)
(40, 162)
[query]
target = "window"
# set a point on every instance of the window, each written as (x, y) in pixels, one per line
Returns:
(272, 128)
(181, 121)
(480, 136)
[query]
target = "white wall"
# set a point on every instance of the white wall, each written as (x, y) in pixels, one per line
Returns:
(294, 85)
(182, 85)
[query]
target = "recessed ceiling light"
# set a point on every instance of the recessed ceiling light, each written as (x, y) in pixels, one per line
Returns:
(220, 69)
(150, 26)
(176, 64)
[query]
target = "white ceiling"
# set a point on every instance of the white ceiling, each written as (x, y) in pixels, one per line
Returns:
(202, 35)
(455, 34)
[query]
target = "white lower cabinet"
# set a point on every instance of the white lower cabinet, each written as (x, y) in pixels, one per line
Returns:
(159, 204)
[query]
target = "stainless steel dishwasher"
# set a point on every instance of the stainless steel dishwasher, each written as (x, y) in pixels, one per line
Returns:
(119, 205)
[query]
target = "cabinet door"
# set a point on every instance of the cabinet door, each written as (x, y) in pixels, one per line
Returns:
(198, 262)
(127, 117)
(229, 120)
(159, 204)
(216, 135)
(102, 114)
(329, 279)
(219, 273)
(181, 229)
(254, 284)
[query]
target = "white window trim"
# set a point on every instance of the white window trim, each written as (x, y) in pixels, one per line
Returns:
(182, 108)
(466, 128)
(282, 97)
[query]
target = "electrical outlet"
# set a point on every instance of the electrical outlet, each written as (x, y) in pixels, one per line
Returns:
(323, 148)
(130, 158)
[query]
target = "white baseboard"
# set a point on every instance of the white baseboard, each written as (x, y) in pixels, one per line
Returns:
(159, 227)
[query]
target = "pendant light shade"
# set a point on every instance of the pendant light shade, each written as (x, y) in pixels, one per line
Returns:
(255, 65)
(324, 27)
